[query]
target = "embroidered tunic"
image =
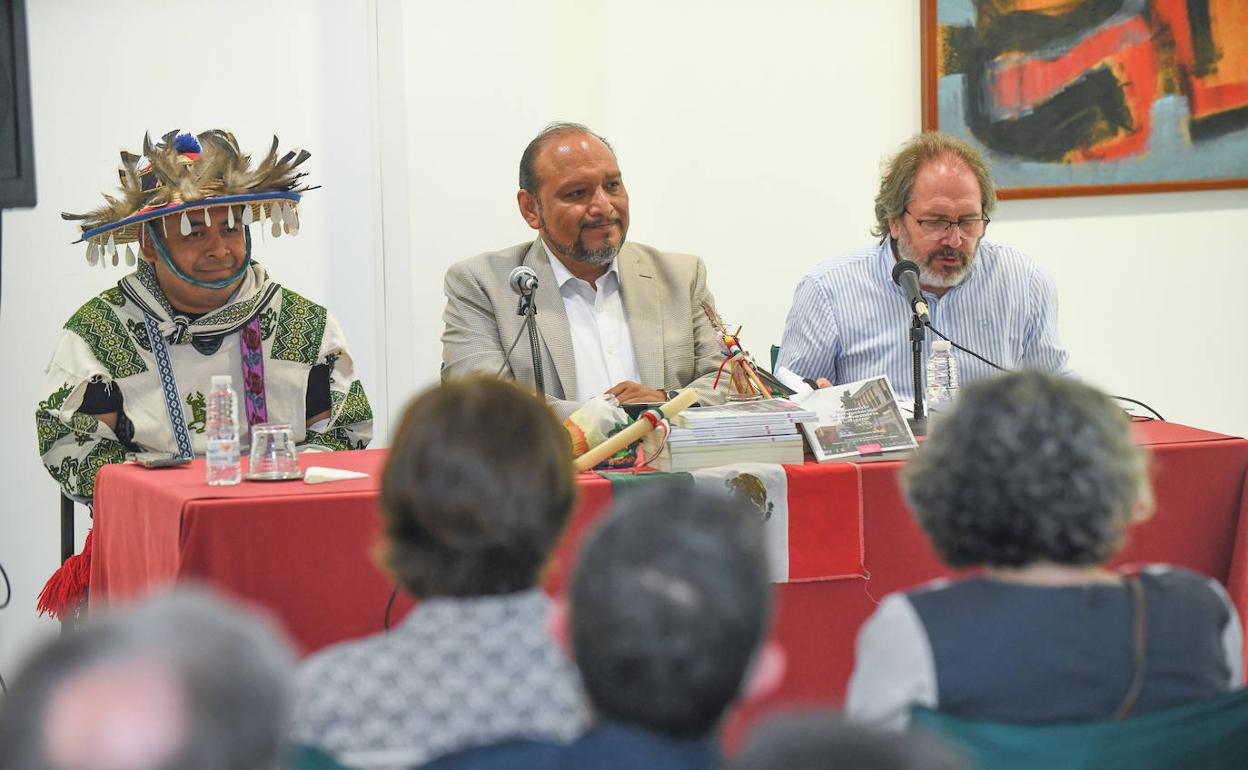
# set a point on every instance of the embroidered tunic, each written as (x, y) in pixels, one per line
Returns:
(107, 341)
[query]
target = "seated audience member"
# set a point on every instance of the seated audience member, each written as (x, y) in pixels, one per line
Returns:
(849, 319)
(182, 682)
(818, 741)
(476, 492)
(615, 316)
(1035, 479)
(668, 609)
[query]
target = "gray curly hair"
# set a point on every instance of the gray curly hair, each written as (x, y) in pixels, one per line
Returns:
(1028, 467)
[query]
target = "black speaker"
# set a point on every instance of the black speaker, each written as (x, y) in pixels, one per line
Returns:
(17, 154)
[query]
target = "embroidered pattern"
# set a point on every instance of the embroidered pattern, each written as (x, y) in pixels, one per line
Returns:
(77, 477)
(66, 474)
(199, 411)
(300, 328)
(337, 439)
(170, 388)
(50, 430)
(231, 314)
(139, 332)
(267, 319)
(103, 453)
(253, 373)
(47, 424)
(114, 296)
(84, 427)
(103, 332)
(147, 277)
(353, 407)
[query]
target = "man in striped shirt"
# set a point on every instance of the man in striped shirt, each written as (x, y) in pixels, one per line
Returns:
(850, 321)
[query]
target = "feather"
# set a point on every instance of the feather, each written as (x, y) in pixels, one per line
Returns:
(220, 169)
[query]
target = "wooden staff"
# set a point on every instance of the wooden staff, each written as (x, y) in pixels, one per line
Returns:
(633, 433)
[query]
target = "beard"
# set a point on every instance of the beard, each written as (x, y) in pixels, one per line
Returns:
(578, 251)
(939, 277)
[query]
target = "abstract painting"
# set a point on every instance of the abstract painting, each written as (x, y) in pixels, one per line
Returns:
(1092, 97)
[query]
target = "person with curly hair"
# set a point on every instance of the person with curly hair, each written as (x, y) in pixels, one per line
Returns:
(1034, 479)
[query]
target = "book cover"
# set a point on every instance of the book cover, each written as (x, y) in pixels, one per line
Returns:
(856, 420)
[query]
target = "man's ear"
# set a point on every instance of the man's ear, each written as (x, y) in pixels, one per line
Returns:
(894, 227)
(528, 209)
(147, 250)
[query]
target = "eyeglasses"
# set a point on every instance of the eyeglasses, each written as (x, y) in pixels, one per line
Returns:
(936, 229)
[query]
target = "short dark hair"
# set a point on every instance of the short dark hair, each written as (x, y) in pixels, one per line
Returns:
(476, 491)
(528, 176)
(669, 602)
(232, 669)
(1027, 467)
(819, 740)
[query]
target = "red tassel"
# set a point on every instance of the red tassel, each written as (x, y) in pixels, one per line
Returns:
(67, 588)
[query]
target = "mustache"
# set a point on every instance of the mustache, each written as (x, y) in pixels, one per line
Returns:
(601, 222)
(946, 251)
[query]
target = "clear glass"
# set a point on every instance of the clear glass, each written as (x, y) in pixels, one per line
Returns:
(273, 454)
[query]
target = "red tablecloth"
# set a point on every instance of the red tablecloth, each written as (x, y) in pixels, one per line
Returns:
(304, 551)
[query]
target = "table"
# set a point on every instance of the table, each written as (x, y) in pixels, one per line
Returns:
(306, 552)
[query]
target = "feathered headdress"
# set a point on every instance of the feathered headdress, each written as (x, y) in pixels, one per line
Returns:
(183, 172)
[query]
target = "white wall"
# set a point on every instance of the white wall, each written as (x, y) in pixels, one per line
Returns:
(751, 134)
(748, 133)
(104, 72)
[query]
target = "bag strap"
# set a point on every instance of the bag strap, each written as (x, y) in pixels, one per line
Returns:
(1139, 647)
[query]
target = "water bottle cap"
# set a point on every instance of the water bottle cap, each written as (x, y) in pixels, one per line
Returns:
(222, 381)
(941, 346)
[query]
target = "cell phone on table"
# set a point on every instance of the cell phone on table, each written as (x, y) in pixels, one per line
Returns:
(159, 459)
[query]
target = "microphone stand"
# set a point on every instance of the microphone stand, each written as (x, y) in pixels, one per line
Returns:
(528, 309)
(918, 423)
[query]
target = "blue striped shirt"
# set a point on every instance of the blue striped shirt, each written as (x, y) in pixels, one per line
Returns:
(849, 321)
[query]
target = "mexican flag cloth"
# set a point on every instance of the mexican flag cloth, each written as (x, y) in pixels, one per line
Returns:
(812, 513)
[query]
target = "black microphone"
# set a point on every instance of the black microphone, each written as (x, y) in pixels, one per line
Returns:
(906, 275)
(523, 280)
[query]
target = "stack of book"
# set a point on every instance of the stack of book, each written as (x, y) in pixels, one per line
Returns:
(739, 432)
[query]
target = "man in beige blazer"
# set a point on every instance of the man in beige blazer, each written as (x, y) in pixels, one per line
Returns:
(612, 316)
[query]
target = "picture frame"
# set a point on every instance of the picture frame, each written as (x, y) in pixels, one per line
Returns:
(1099, 97)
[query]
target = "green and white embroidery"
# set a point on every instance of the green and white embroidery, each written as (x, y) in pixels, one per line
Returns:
(199, 411)
(300, 328)
(108, 339)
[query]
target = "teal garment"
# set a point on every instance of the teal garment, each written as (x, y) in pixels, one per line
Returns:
(310, 758)
(1210, 734)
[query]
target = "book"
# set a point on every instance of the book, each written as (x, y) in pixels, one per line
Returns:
(774, 411)
(784, 450)
(710, 433)
(857, 421)
(735, 440)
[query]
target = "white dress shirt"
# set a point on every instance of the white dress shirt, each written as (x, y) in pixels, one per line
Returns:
(601, 341)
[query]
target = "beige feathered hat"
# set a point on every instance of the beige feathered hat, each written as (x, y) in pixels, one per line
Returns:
(183, 172)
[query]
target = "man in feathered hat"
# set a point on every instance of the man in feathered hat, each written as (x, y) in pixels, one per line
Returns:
(134, 364)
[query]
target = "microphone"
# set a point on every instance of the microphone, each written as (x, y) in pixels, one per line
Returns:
(906, 275)
(523, 280)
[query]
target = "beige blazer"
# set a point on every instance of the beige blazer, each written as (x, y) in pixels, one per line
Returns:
(673, 341)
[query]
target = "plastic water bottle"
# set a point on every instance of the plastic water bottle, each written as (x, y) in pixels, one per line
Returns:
(221, 433)
(942, 376)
